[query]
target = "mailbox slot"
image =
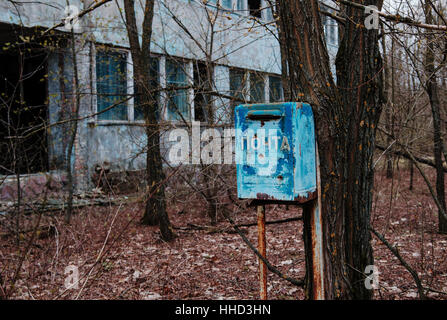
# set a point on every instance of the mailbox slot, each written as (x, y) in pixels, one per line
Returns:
(264, 115)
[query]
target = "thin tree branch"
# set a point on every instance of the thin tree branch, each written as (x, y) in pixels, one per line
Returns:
(435, 198)
(80, 15)
(296, 282)
(395, 251)
(396, 18)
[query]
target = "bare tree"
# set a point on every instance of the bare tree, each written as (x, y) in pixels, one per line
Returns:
(155, 212)
(347, 113)
(432, 89)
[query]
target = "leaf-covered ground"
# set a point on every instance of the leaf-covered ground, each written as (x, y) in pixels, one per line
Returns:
(118, 258)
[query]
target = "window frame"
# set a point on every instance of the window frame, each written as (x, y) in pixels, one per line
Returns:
(158, 99)
(281, 95)
(244, 83)
(128, 90)
(243, 9)
(262, 76)
(188, 92)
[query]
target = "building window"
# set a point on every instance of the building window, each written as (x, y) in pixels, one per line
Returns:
(332, 33)
(202, 88)
(153, 85)
(111, 84)
(227, 4)
(224, 3)
(240, 4)
(275, 88)
(257, 93)
(254, 7)
(330, 28)
(237, 86)
(177, 100)
(324, 21)
(268, 12)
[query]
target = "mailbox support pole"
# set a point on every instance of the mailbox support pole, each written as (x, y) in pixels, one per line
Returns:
(317, 251)
(317, 240)
(263, 251)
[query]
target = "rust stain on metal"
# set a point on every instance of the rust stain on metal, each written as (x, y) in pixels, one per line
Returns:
(264, 196)
(317, 241)
(316, 259)
(310, 196)
(297, 200)
(263, 250)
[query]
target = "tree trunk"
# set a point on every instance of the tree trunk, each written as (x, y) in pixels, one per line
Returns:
(388, 106)
(284, 68)
(433, 95)
(73, 132)
(346, 118)
(155, 211)
(209, 173)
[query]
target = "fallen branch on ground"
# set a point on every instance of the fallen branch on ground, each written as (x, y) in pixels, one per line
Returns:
(406, 156)
(78, 204)
(213, 229)
(296, 282)
(395, 251)
(42, 232)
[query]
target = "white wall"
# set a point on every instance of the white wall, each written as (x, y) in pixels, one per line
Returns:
(238, 41)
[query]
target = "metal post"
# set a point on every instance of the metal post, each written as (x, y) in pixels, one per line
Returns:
(317, 241)
(263, 251)
(317, 251)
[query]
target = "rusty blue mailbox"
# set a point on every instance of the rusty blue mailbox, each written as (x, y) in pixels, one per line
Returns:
(276, 162)
(275, 152)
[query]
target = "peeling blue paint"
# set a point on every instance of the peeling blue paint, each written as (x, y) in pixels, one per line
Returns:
(285, 169)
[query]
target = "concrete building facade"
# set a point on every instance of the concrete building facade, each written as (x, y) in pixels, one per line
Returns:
(238, 37)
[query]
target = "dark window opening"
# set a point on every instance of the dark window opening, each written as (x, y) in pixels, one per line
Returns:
(177, 100)
(275, 89)
(257, 93)
(240, 5)
(111, 84)
(324, 19)
(23, 109)
(223, 3)
(254, 6)
(226, 4)
(237, 88)
(202, 98)
(332, 32)
(154, 84)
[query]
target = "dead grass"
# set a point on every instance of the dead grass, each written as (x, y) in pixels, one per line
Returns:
(118, 258)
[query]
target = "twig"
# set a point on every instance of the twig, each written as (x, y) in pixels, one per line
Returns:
(296, 282)
(80, 15)
(100, 252)
(406, 156)
(114, 240)
(435, 198)
(271, 222)
(192, 226)
(395, 251)
(28, 247)
(396, 18)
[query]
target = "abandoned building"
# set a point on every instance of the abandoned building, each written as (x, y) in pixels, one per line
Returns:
(37, 84)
